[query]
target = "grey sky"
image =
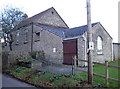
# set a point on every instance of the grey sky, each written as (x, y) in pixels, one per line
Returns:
(74, 11)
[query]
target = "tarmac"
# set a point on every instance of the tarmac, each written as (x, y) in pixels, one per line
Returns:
(12, 83)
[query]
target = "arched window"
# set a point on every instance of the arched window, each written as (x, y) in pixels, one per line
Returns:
(99, 45)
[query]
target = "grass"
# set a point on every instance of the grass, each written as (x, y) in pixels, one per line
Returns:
(22, 72)
(48, 79)
(113, 73)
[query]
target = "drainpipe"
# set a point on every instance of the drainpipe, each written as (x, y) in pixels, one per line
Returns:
(32, 38)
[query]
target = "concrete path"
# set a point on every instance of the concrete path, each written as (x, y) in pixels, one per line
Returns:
(7, 81)
(65, 69)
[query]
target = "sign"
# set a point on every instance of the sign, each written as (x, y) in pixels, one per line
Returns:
(91, 46)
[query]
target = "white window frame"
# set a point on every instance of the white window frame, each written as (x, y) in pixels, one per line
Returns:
(26, 36)
(54, 50)
(99, 45)
(17, 37)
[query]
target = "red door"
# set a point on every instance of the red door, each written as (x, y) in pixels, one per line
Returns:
(69, 50)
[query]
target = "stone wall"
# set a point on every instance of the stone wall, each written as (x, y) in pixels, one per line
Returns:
(22, 44)
(116, 51)
(82, 55)
(50, 17)
(106, 55)
(11, 56)
(49, 42)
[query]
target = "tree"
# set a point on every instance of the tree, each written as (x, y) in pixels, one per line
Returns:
(10, 18)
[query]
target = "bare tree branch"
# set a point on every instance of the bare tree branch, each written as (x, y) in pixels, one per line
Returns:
(10, 18)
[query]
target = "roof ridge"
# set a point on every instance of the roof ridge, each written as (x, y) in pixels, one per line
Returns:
(37, 14)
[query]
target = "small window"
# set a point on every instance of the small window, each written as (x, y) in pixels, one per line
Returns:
(17, 37)
(54, 50)
(52, 12)
(26, 36)
(2, 40)
(17, 34)
(37, 36)
(99, 45)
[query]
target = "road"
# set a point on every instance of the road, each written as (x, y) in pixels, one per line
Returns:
(8, 81)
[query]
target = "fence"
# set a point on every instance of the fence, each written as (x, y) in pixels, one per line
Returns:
(106, 76)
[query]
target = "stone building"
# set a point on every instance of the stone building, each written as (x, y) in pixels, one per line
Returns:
(48, 32)
(116, 51)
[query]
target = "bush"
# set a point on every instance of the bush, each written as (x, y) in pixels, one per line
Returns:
(33, 55)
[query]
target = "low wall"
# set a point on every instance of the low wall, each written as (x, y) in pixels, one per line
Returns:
(11, 56)
(116, 51)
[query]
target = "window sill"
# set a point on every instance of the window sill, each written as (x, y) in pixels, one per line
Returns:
(17, 44)
(36, 40)
(99, 53)
(25, 42)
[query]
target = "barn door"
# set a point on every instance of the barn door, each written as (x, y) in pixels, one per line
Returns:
(69, 50)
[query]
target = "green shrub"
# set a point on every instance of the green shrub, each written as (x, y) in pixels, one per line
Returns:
(33, 55)
(25, 59)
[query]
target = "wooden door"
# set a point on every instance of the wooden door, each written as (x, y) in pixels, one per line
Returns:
(69, 50)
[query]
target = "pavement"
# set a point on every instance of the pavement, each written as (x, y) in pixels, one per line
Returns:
(65, 69)
(8, 81)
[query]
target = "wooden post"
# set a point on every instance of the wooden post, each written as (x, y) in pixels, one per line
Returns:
(106, 73)
(75, 63)
(72, 65)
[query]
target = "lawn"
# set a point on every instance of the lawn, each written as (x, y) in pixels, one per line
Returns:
(113, 73)
(48, 79)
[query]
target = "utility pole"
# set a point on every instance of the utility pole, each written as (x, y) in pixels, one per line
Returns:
(90, 44)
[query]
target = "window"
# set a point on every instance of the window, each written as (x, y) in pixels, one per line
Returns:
(26, 36)
(17, 37)
(37, 36)
(52, 12)
(18, 34)
(99, 45)
(54, 50)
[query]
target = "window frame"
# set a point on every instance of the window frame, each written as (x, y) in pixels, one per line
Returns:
(17, 37)
(26, 36)
(37, 36)
(99, 45)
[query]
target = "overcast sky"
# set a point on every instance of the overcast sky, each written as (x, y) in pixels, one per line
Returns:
(74, 11)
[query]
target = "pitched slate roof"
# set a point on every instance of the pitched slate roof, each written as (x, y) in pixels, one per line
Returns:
(77, 31)
(57, 31)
